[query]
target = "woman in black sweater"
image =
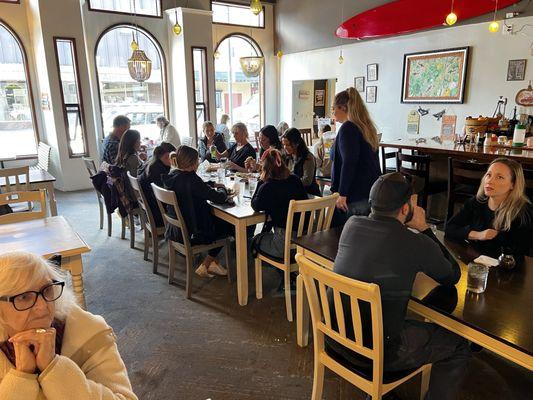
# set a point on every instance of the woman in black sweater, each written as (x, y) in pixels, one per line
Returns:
(355, 162)
(274, 192)
(151, 172)
(500, 217)
(240, 151)
(192, 194)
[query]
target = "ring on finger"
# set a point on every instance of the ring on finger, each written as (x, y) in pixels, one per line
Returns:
(40, 330)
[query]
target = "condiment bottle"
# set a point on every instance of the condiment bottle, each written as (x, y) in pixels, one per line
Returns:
(519, 135)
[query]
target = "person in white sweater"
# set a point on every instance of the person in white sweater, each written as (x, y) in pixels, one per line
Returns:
(168, 134)
(51, 349)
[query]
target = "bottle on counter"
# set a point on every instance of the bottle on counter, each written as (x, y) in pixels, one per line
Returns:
(519, 136)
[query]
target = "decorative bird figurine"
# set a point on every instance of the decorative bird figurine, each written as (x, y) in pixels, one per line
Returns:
(422, 112)
(439, 114)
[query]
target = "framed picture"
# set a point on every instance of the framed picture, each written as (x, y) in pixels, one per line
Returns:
(435, 76)
(303, 94)
(372, 72)
(359, 83)
(371, 94)
(516, 70)
(320, 96)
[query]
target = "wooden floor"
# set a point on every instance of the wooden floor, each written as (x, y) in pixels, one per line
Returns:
(210, 347)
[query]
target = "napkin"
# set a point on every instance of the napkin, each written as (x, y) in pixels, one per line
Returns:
(486, 260)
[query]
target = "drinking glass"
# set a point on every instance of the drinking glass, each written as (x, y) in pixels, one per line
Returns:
(477, 277)
(240, 185)
(252, 185)
(221, 173)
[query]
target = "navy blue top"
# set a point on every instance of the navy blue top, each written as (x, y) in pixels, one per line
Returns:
(355, 165)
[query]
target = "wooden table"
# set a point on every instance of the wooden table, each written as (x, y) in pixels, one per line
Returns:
(47, 237)
(39, 179)
(241, 215)
(461, 151)
(498, 320)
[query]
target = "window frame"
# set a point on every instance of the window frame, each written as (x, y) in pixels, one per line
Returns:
(31, 100)
(79, 104)
(10, 1)
(159, 2)
(205, 79)
(239, 5)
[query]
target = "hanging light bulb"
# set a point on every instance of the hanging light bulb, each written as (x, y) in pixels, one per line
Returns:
(256, 7)
(134, 46)
(216, 54)
(177, 27)
(279, 54)
(451, 18)
(494, 25)
(341, 58)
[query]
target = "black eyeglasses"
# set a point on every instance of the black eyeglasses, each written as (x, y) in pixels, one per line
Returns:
(25, 301)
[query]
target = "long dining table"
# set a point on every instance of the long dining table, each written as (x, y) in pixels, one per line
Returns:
(498, 319)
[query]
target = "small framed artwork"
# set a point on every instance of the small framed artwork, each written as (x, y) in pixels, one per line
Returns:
(372, 72)
(303, 94)
(371, 94)
(320, 98)
(359, 83)
(516, 70)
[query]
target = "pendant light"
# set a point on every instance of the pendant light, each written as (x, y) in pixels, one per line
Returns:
(139, 65)
(494, 25)
(251, 66)
(451, 18)
(341, 58)
(256, 7)
(177, 27)
(279, 54)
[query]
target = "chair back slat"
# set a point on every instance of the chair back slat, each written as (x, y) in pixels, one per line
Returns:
(356, 291)
(321, 220)
(301, 207)
(35, 197)
(12, 179)
(311, 221)
(386, 155)
(166, 200)
(134, 183)
(43, 156)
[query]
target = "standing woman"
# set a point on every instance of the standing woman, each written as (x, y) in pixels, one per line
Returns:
(168, 134)
(268, 139)
(240, 151)
(355, 162)
(299, 160)
(223, 128)
(500, 217)
(211, 138)
(128, 149)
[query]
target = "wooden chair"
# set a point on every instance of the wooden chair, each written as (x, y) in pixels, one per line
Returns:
(376, 383)
(33, 197)
(43, 157)
(386, 155)
(13, 182)
(419, 169)
(307, 135)
(166, 200)
(92, 170)
(316, 214)
(187, 141)
(464, 178)
(152, 233)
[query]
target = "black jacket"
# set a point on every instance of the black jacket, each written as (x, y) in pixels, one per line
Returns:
(147, 176)
(192, 194)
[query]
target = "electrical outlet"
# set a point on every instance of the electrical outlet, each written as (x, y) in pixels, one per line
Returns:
(510, 15)
(508, 29)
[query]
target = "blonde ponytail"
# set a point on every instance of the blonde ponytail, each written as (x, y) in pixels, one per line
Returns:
(358, 114)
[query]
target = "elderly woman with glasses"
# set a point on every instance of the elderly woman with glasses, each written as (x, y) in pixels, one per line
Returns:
(50, 348)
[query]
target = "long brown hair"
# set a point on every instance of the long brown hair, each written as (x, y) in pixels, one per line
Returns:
(126, 147)
(358, 114)
(513, 206)
(273, 166)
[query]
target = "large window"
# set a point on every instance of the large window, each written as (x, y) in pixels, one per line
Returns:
(201, 94)
(236, 14)
(71, 96)
(119, 93)
(239, 96)
(17, 130)
(151, 8)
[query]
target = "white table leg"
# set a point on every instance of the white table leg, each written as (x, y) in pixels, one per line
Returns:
(75, 266)
(241, 250)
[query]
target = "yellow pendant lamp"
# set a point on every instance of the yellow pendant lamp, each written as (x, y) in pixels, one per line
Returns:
(451, 18)
(494, 25)
(256, 7)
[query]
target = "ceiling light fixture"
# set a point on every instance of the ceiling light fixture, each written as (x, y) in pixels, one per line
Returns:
(256, 7)
(494, 25)
(451, 18)
(139, 65)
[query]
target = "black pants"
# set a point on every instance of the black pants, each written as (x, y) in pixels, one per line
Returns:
(222, 229)
(424, 343)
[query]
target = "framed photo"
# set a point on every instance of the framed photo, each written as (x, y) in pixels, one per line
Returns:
(320, 96)
(372, 72)
(303, 94)
(516, 70)
(371, 94)
(359, 83)
(435, 76)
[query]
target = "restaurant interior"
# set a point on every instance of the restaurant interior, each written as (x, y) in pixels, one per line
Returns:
(444, 87)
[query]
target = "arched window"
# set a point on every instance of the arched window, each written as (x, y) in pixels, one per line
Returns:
(119, 93)
(17, 125)
(237, 95)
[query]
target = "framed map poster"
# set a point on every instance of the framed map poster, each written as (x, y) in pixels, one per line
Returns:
(435, 76)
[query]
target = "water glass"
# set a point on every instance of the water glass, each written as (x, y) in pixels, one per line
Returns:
(221, 173)
(252, 185)
(240, 185)
(477, 277)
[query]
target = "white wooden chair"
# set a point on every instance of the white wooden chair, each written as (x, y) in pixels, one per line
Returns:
(187, 141)
(43, 157)
(166, 200)
(152, 233)
(375, 382)
(317, 214)
(12, 180)
(33, 197)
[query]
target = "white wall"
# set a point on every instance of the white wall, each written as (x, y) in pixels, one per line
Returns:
(302, 108)
(489, 56)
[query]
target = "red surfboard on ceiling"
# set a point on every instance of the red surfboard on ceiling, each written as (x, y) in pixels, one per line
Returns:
(403, 16)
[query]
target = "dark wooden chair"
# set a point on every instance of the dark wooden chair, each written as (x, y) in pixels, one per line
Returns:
(464, 178)
(307, 135)
(386, 155)
(418, 168)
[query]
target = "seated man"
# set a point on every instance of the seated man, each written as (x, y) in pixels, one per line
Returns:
(121, 124)
(380, 249)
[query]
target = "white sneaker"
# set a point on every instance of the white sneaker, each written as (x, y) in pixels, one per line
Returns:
(202, 271)
(217, 269)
